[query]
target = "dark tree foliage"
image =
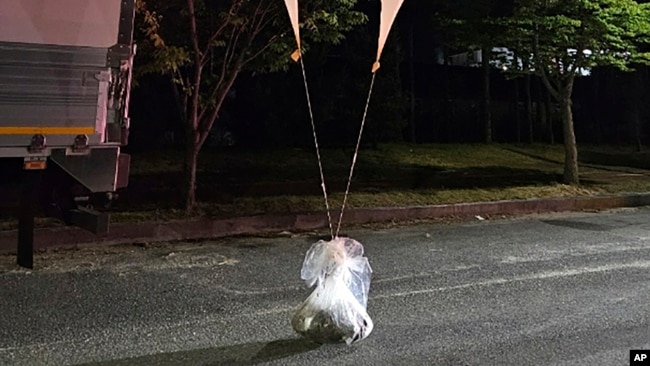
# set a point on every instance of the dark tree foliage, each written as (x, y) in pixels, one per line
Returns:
(205, 45)
(563, 38)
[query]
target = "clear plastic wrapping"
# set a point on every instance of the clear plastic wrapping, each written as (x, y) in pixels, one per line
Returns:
(336, 309)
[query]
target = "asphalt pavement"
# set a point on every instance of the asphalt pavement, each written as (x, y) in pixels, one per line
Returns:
(551, 289)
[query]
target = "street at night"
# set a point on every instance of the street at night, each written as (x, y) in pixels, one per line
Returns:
(556, 289)
(181, 181)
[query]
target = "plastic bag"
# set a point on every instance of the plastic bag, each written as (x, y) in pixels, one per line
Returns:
(336, 310)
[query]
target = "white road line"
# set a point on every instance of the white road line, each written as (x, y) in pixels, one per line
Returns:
(528, 277)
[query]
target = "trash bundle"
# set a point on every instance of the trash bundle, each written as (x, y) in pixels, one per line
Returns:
(336, 309)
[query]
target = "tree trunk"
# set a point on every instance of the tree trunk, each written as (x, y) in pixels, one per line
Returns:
(517, 115)
(486, 55)
(549, 116)
(543, 119)
(570, 148)
(191, 159)
(529, 108)
(540, 108)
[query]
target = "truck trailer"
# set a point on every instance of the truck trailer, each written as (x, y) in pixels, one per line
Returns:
(65, 80)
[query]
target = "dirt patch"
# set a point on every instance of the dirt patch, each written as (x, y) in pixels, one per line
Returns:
(123, 258)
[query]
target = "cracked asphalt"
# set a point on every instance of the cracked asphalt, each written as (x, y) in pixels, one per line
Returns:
(552, 289)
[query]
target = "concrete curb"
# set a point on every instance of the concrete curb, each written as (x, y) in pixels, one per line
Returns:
(148, 232)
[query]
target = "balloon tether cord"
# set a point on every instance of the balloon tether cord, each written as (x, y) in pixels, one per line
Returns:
(318, 156)
(354, 157)
(320, 164)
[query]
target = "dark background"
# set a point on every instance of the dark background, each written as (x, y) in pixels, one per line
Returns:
(270, 110)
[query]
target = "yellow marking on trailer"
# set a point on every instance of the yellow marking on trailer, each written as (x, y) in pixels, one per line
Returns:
(34, 163)
(47, 130)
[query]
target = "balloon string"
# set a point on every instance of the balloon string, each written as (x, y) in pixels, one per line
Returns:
(354, 157)
(320, 164)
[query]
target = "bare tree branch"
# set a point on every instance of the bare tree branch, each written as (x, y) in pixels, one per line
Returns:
(207, 123)
(194, 32)
(234, 10)
(258, 22)
(543, 74)
(225, 66)
(198, 66)
(261, 50)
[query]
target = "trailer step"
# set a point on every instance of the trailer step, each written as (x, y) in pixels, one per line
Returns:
(88, 219)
